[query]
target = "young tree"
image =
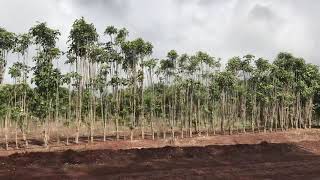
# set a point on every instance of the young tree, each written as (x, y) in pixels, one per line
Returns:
(135, 51)
(45, 74)
(22, 47)
(7, 43)
(116, 59)
(151, 64)
(82, 36)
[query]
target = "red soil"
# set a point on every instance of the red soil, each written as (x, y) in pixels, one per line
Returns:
(281, 155)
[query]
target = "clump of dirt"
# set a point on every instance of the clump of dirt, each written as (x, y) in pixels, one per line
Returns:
(167, 152)
(265, 143)
(71, 157)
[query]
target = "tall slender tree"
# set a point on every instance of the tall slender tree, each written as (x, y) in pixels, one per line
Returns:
(82, 36)
(45, 74)
(7, 43)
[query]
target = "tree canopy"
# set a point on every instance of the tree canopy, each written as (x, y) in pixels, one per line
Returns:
(115, 81)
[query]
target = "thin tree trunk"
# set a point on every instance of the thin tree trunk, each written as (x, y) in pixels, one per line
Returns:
(16, 135)
(6, 131)
(222, 112)
(190, 113)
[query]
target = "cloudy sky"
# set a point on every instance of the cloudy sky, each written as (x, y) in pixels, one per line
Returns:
(224, 28)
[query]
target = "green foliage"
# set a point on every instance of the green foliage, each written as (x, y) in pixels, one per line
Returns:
(7, 40)
(121, 80)
(44, 37)
(82, 34)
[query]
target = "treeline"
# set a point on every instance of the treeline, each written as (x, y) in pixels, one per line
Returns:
(118, 83)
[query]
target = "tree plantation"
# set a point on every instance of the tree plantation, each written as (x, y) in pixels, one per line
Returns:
(115, 88)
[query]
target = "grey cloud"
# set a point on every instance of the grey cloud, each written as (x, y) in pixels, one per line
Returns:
(207, 3)
(118, 8)
(261, 12)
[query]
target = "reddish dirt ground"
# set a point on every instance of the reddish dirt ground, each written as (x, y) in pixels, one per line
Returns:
(281, 155)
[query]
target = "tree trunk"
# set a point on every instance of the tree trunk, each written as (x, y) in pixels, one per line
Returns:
(131, 134)
(222, 112)
(67, 143)
(6, 132)
(254, 110)
(16, 135)
(56, 116)
(45, 135)
(134, 103)
(310, 112)
(198, 126)
(78, 123)
(152, 130)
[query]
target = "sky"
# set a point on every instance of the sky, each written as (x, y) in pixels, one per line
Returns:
(223, 28)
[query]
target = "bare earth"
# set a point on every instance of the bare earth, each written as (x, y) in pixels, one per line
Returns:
(279, 155)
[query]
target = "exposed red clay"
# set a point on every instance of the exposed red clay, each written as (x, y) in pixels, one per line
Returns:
(277, 155)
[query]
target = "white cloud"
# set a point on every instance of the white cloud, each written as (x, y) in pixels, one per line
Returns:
(225, 28)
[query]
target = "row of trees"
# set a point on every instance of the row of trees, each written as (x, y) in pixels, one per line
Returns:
(118, 83)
